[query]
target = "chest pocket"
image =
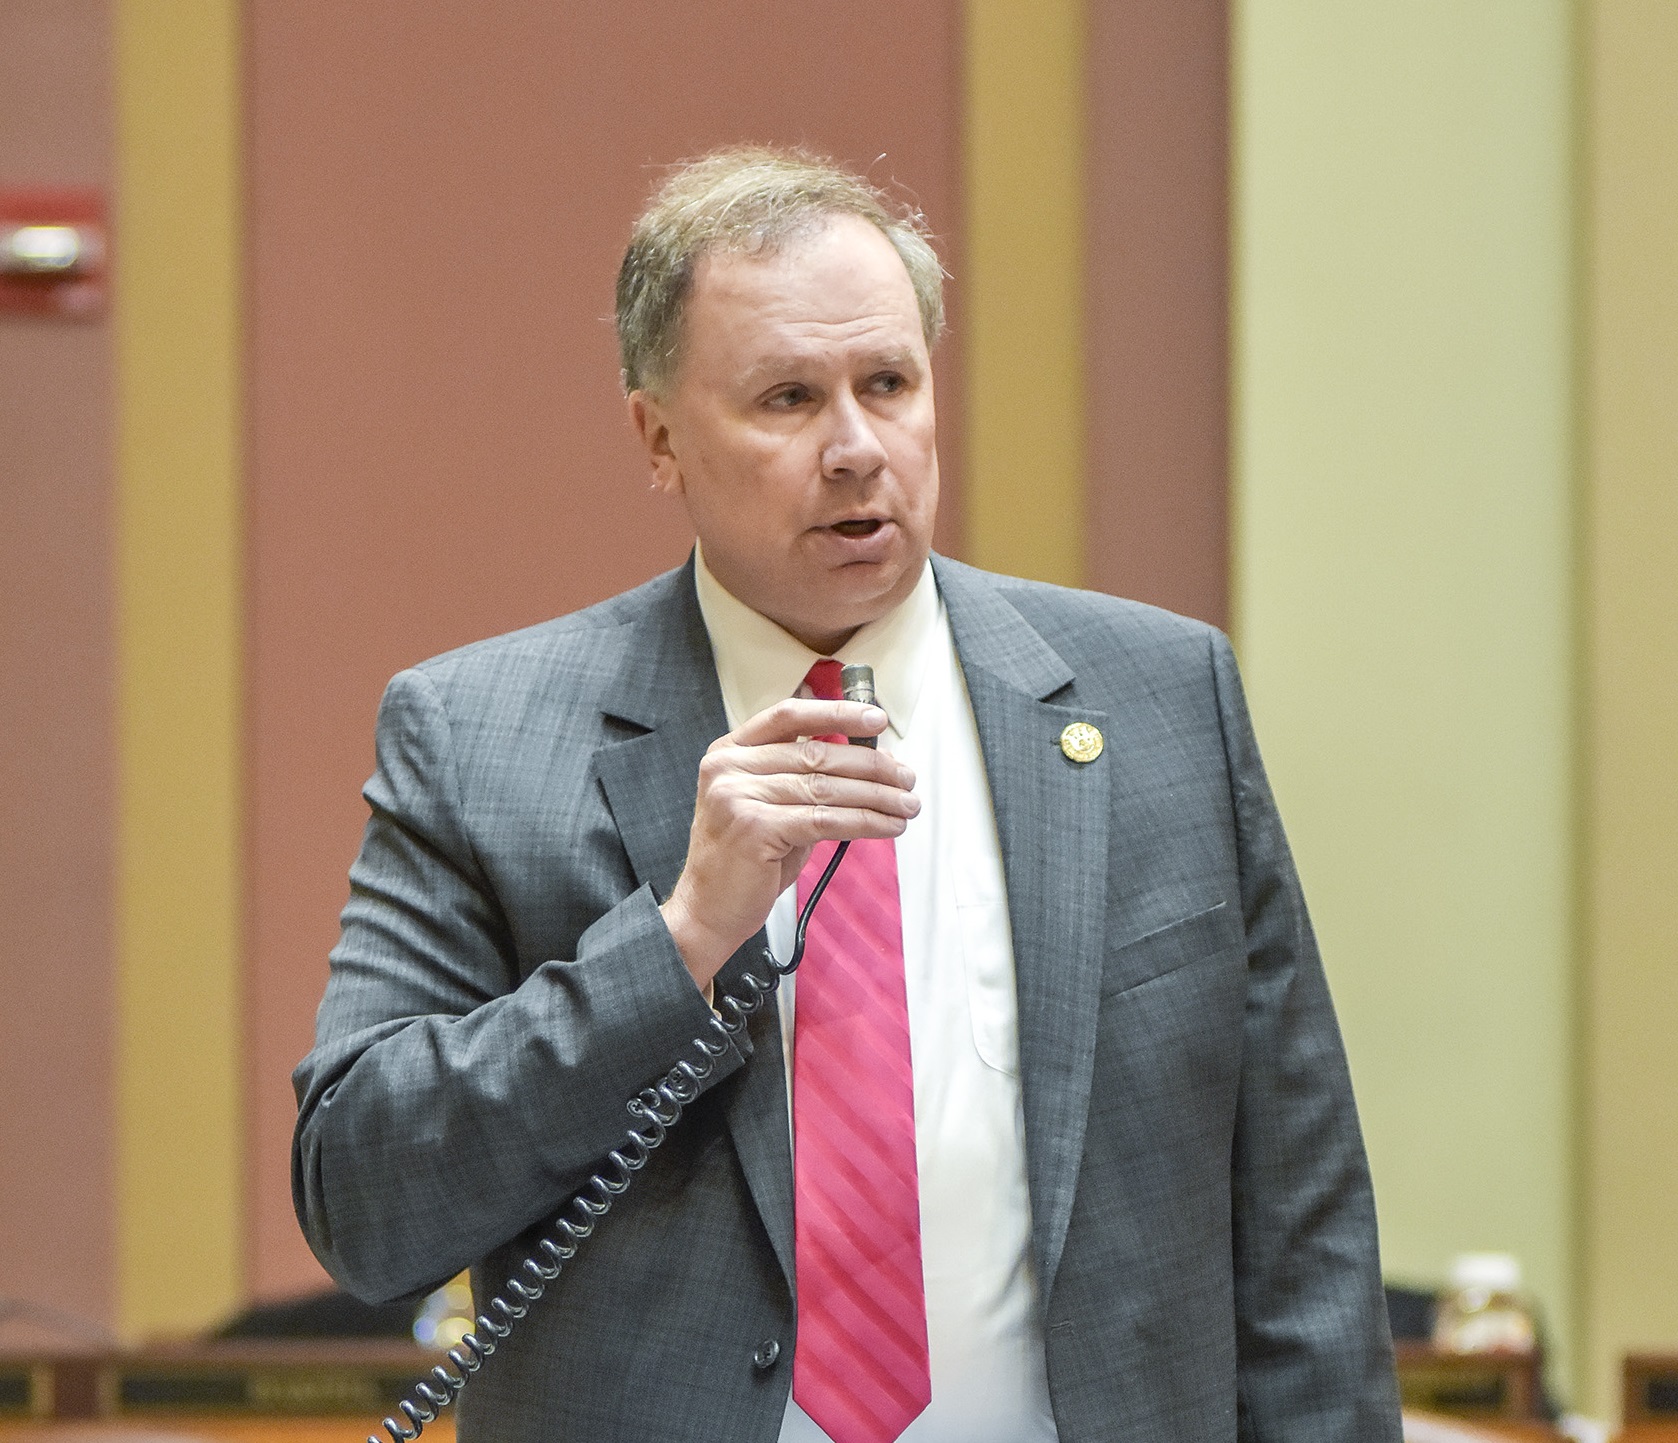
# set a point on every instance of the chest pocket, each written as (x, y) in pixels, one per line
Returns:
(1214, 931)
(988, 957)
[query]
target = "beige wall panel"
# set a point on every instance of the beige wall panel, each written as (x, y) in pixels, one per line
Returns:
(1631, 633)
(1404, 584)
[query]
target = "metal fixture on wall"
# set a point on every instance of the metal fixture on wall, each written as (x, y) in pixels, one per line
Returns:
(54, 252)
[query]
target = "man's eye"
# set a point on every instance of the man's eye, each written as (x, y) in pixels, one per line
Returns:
(889, 383)
(788, 397)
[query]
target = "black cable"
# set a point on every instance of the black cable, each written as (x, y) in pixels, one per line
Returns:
(659, 1107)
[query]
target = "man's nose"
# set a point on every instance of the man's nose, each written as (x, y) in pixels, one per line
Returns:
(853, 447)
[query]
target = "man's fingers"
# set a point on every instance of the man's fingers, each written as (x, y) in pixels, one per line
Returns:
(797, 717)
(810, 756)
(802, 827)
(768, 792)
(742, 802)
(821, 789)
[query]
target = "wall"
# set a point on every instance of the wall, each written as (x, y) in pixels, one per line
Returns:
(1629, 1173)
(1156, 299)
(437, 452)
(57, 770)
(1096, 146)
(439, 199)
(178, 584)
(1023, 152)
(1455, 609)
(1404, 592)
(367, 412)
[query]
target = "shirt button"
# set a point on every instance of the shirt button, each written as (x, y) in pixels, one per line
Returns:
(767, 1352)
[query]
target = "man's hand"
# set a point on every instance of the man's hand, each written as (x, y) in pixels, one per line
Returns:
(765, 799)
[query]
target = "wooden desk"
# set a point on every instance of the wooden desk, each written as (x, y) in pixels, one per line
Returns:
(1434, 1428)
(1649, 1396)
(1482, 1387)
(336, 1393)
(1423, 1428)
(200, 1430)
(270, 1392)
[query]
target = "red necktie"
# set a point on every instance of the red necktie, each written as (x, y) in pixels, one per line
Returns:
(861, 1369)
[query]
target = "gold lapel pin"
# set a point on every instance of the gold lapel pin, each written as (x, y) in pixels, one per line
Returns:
(1081, 742)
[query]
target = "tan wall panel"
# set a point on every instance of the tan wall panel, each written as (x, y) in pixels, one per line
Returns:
(179, 510)
(440, 196)
(1630, 1173)
(1024, 139)
(56, 742)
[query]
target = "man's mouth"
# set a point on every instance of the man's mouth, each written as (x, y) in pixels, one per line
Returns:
(858, 528)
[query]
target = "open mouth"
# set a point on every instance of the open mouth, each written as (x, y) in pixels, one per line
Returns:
(858, 528)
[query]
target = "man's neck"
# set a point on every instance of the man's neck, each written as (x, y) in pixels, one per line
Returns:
(759, 661)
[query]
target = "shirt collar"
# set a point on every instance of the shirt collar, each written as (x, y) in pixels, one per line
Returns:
(759, 664)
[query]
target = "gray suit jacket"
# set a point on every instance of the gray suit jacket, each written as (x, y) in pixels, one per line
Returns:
(1202, 1223)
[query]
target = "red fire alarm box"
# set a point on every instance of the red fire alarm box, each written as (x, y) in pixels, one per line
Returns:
(54, 252)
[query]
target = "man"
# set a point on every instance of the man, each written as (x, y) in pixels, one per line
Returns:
(1067, 959)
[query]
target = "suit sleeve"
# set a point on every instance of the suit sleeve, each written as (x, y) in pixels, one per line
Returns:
(1314, 1358)
(448, 1105)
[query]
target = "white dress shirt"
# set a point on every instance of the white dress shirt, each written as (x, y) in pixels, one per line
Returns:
(984, 1327)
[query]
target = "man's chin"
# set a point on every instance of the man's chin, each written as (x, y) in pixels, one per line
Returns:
(827, 625)
(818, 600)
(856, 598)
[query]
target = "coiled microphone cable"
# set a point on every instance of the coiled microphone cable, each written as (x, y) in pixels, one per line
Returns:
(655, 1109)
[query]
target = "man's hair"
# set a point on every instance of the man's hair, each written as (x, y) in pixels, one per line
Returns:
(747, 200)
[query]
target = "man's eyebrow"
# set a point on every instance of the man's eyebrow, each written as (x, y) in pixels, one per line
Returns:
(902, 358)
(791, 363)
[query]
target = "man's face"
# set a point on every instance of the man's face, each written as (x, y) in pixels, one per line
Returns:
(799, 430)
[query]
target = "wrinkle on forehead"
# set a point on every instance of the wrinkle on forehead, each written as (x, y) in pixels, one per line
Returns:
(725, 272)
(842, 298)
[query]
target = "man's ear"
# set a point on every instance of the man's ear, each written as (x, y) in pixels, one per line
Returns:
(647, 416)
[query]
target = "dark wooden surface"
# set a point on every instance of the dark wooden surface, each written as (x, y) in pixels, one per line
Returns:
(1481, 1387)
(248, 1392)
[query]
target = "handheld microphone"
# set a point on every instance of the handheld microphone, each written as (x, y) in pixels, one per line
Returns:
(856, 683)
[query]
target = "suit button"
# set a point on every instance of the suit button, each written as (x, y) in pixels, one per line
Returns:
(767, 1352)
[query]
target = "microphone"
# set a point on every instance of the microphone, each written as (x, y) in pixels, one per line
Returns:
(856, 683)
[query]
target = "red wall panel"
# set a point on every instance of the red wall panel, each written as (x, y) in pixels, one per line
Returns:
(1157, 276)
(438, 199)
(57, 699)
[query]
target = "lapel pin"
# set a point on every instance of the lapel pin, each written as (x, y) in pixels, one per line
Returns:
(1081, 742)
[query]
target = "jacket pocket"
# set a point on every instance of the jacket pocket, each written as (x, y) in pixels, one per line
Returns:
(987, 956)
(1203, 934)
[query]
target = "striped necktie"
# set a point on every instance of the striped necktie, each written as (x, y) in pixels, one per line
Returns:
(861, 1369)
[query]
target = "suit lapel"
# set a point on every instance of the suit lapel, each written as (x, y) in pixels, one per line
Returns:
(665, 710)
(1052, 820)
